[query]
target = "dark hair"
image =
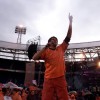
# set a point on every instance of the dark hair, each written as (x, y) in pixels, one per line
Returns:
(51, 38)
(15, 89)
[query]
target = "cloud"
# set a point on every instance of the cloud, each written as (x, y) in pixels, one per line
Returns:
(49, 17)
(86, 20)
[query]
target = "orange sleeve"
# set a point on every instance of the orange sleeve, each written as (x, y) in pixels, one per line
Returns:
(42, 57)
(64, 46)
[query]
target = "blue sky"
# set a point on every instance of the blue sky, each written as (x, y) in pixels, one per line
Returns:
(46, 18)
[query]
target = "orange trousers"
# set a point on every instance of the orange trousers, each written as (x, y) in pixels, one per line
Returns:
(55, 89)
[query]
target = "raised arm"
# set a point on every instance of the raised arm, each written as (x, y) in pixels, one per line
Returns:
(69, 33)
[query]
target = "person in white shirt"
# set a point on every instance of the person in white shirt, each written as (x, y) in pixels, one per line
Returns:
(7, 95)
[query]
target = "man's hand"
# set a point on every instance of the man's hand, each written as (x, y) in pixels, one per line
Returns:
(69, 32)
(70, 18)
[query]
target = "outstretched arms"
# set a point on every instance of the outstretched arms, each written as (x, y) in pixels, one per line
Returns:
(67, 39)
(69, 33)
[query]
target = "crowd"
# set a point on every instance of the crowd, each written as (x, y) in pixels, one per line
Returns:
(34, 93)
(15, 93)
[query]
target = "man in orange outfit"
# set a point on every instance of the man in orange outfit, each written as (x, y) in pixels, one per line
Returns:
(53, 55)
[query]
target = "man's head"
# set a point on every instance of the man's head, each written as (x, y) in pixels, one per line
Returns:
(53, 41)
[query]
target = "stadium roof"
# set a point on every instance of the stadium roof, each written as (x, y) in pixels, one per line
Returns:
(9, 45)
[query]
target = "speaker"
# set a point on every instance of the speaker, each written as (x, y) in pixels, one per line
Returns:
(32, 49)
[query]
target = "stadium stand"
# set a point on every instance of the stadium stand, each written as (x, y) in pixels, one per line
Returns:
(80, 60)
